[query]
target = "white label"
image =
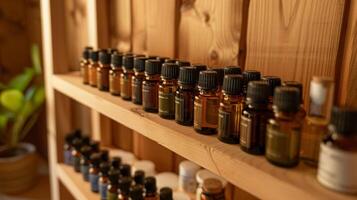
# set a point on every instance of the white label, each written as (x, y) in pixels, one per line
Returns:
(337, 169)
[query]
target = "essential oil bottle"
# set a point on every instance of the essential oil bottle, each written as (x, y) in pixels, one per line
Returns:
(113, 185)
(206, 104)
(76, 154)
(125, 170)
(151, 86)
(284, 131)
(298, 85)
(84, 63)
(103, 180)
(185, 95)
(167, 90)
(150, 188)
(254, 118)
(232, 70)
(124, 188)
(67, 149)
(92, 69)
(139, 176)
(94, 172)
(212, 189)
(115, 163)
(85, 158)
(136, 192)
(249, 75)
(126, 77)
(230, 109)
(103, 71)
(115, 73)
(166, 193)
(273, 82)
(137, 80)
(338, 152)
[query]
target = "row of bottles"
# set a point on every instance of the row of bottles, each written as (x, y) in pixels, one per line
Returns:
(263, 114)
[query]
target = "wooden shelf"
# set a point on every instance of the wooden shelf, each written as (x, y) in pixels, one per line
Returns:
(251, 173)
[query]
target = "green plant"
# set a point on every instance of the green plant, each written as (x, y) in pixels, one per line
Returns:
(20, 102)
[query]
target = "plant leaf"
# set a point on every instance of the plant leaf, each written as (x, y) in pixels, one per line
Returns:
(36, 60)
(21, 81)
(39, 97)
(2, 86)
(3, 122)
(26, 111)
(12, 99)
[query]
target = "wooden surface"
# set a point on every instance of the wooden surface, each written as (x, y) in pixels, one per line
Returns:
(226, 160)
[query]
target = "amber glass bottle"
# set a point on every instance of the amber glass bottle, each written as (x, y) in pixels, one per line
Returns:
(94, 172)
(103, 180)
(284, 131)
(230, 109)
(137, 80)
(185, 95)
(150, 188)
(124, 188)
(206, 104)
(232, 70)
(273, 82)
(316, 122)
(298, 85)
(126, 77)
(249, 75)
(151, 86)
(103, 71)
(338, 152)
(254, 118)
(113, 185)
(85, 64)
(212, 189)
(114, 74)
(183, 63)
(92, 69)
(167, 90)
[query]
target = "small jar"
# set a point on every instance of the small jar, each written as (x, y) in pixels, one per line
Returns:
(146, 165)
(150, 188)
(185, 95)
(151, 85)
(115, 73)
(92, 68)
(249, 75)
(212, 190)
(338, 152)
(167, 90)
(137, 80)
(254, 118)
(166, 193)
(187, 173)
(103, 180)
(94, 172)
(206, 104)
(284, 131)
(136, 192)
(298, 85)
(67, 149)
(113, 185)
(201, 176)
(126, 76)
(124, 188)
(230, 109)
(84, 63)
(273, 82)
(85, 158)
(103, 71)
(232, 70)
(76, 154)
(183, 63)
(139, 176)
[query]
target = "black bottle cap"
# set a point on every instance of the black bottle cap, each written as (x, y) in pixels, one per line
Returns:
(297, 85)
(207, 79)
(77, 133)
(220, 75)
(200, 67)
(162, 59)
(136, 192)
(169, 60)
(139, 176)
(124, 184)
(258, 92)
(287, 99)
(188, 75)
(85, 140)
(77, 143)
(233, 84)
(94, 56)
(116, 60)
(128, 61)
(149, 57)
(232, 70)
(250, 75)
(86, 151)
(150, 184)
(344, 120)
(183, 63)
(112, 50)
(273, 82)
(69, 138)
(116, 162)
(138, 55)
(94, 145)
(139, 64)
(104, 168)
(95, 159)
(86, 52)
(166, 193)
(125, 170)
(170, 71)
(128, 54)
(113, 175)
(104, 155)
(104, 57)
(153, 67)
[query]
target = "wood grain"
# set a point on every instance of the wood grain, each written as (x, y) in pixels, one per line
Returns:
(209, 31)
(139, 33)
(294, 39)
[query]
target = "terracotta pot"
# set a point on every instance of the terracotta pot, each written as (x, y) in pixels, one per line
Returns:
(18, 172)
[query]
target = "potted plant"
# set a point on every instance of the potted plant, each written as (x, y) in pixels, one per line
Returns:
(20, 104)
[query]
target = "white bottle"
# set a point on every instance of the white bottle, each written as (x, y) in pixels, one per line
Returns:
(167, 179)
(201, 176)
(187, 173)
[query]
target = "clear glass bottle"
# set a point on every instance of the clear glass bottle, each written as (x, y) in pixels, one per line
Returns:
(284, 131)
(254, 118)
(84, 63)
(92, 68)
(185, 95)
(273, 82)
(113, 185)
(151, 85)
(167, 90)
(212, 190)
(150, 188)
(298, 85)
(94, 172)
(206, 104)
(76, 154)
(338, 152)
(85, 159)
(316, 122)
(137, 80)
(230, 109)
(103, 180)
(232, 70)
(124, 188)
(249, 75)
(103, 71)
(166, 193)
(115, 73)
(126, 77)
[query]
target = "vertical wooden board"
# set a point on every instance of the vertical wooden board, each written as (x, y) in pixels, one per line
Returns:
(138, 15)
(209, 31)
(122, 137)
(294, 39)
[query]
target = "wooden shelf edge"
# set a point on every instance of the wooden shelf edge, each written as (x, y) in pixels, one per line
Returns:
(251, 173)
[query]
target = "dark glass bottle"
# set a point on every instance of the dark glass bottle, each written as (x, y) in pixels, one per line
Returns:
(338, 152)
(150, 188)
(94, 172)
(115, 73)
(103, 71)
(183, 63)
(84, 63)
(67, 149)
(76, 154)
(273, 82)
(200, 67)
(185, 95)
(126, 77)
(94, 146)
(230, 109)
(125, 170)
(151, 86)
(103, 180)
(206, 104)
(232, 70)
(166, 193)
(139, 177)
(137, 80)
(284, 131)
(124, 188)
(249, 75)
(85, 159)
(167, 90)
(298, 85)
(92, 68)
(115, 163)
(212, 189)
(113, 185)
(104, 156)
(136, 193)
(254, 118)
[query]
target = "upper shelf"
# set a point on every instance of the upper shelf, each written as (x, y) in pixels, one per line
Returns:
(251, 173)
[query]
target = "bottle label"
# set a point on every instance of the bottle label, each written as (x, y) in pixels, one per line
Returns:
(114, 84)
(179, 109)
(93, 179)
(150, 96)
(103, 78)
(68, 157)
(85, 172)
(103, 190)
(245, 131)
(337, 169)
(197, 115)
(224, 119)
(76, 163)
(112, 196)
(167, 103)
(125, 86)
(137, 91)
